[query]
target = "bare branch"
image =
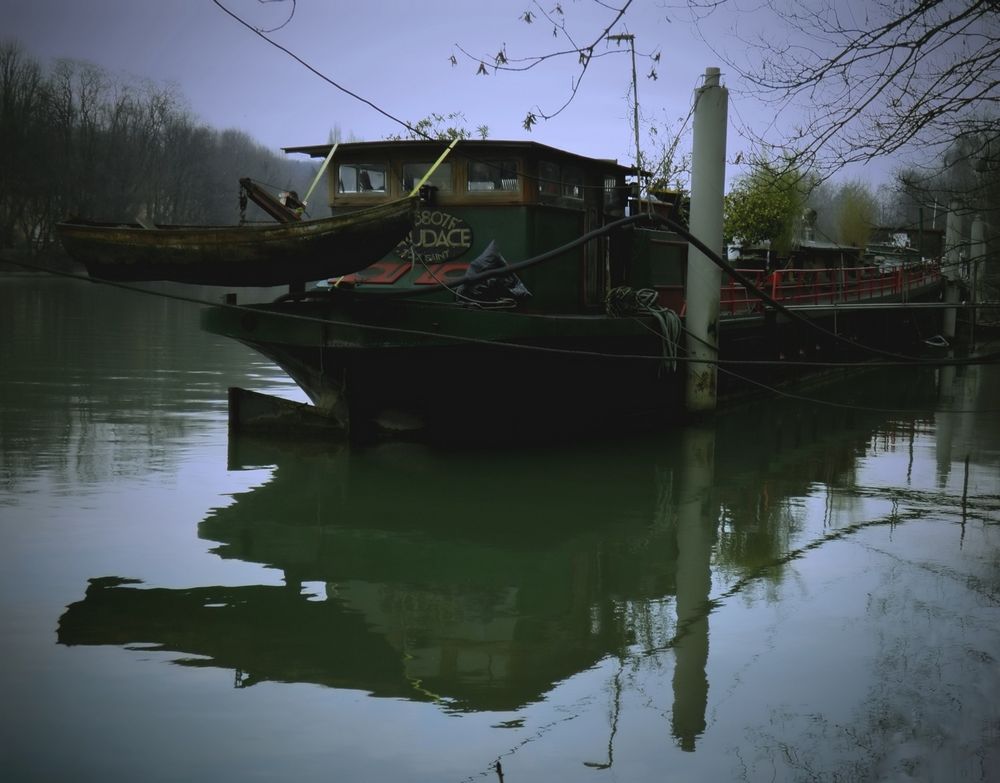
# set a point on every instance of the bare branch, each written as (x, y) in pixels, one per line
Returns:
(583, 53)
(906, 74)
(291, 13)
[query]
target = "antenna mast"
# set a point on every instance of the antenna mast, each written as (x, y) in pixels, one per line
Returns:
(635, 101)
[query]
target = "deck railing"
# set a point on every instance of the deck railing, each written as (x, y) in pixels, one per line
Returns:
(813, 287)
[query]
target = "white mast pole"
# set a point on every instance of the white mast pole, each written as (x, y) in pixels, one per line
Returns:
(704, 278)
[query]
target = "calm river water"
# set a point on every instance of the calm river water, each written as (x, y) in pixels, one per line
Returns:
(793, 592)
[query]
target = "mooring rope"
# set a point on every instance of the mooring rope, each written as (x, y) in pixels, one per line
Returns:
(624, 302)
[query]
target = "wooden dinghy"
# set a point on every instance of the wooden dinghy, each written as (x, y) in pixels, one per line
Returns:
(249, 255)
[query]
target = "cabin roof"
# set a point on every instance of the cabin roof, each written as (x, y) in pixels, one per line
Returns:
(911, 228)
(472, 147)
(816, 244)
(813, 245)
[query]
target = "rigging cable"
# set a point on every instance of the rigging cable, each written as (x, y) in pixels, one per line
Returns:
(986, 358)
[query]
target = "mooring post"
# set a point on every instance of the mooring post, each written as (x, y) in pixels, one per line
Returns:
(704, 278)
(952, 270)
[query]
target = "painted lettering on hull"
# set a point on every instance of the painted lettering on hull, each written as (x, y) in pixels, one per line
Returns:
(436, 237)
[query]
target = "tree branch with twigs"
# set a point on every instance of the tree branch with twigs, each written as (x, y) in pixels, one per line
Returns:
(582, 53)
(876, 78)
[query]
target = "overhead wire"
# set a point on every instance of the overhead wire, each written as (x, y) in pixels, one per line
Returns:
(316, 71)
(417, 132)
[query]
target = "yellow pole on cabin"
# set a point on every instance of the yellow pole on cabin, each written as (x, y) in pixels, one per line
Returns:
(433, 168)
(322, 168)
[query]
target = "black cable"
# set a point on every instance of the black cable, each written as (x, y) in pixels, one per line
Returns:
(720, 363)
(678, 228)
(318, 73)
(987, 358)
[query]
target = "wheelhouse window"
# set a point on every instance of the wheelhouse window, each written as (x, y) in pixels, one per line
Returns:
(572, 183)
(614, 192)
(549, 178)
(491, 176)
(559, 183)
(361, 178)
(414, 172)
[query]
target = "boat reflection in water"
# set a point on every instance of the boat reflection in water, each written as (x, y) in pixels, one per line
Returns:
(480, 581)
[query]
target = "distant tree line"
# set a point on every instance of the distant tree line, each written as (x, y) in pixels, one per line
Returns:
(75, 141)
(779, 200)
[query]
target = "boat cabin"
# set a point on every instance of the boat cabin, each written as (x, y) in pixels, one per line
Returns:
(526, 197)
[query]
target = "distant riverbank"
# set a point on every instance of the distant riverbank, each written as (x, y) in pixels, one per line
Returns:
(17, 263)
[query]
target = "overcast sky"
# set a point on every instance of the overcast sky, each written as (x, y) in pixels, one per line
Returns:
(396, 54)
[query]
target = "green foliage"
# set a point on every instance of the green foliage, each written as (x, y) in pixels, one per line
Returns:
(856, 214)
(766, 204)
(445, 127)
(845, 212)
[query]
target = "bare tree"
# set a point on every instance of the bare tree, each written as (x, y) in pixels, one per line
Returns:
(21, 101)
(877, 77)
(920, 196)
(75, 141)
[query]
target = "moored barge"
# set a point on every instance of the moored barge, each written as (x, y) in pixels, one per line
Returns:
(536, 294)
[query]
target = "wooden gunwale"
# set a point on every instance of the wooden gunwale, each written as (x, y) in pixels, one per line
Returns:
(260, 254)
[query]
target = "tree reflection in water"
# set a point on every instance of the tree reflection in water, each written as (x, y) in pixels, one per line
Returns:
(480, 582)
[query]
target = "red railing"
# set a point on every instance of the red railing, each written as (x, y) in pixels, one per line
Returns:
(812, 286)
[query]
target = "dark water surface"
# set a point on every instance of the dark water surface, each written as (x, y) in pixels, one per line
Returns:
(794, 592)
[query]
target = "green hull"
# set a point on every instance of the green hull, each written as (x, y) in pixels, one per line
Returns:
(468, 372)
(461, 371)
